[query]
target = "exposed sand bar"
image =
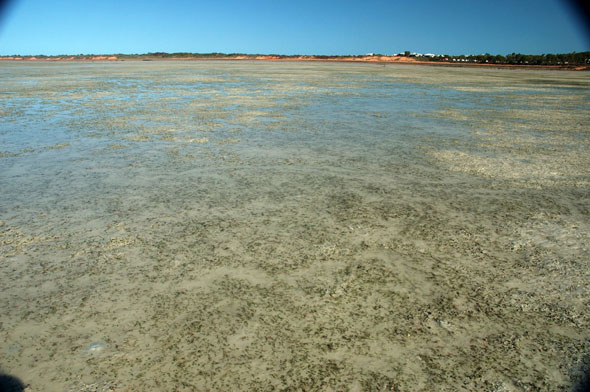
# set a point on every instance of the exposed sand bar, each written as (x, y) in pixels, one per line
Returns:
(277, 226)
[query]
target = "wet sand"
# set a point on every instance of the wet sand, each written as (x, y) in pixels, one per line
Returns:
(279, 226)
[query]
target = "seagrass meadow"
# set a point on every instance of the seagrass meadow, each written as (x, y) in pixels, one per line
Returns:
(231, 226)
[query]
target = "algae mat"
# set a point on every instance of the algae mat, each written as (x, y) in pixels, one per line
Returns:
(183, 226)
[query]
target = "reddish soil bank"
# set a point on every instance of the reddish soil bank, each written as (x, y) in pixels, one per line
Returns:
(363, 59)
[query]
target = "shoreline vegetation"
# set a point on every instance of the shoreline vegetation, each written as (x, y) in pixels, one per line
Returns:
(568, 61)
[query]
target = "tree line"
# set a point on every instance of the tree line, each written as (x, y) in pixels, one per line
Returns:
(574, 58)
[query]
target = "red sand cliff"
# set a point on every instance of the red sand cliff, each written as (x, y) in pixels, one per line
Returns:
(359, 59)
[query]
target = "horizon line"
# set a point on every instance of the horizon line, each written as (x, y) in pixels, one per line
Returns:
(401, 54)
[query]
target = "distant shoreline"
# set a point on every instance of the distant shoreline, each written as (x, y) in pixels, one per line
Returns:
(274, 58)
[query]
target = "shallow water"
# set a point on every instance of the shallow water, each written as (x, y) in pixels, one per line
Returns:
(246, 225)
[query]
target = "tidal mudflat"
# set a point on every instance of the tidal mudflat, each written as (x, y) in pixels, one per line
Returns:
(230, 226)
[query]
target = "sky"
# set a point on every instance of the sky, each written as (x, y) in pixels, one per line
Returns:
(30, 27)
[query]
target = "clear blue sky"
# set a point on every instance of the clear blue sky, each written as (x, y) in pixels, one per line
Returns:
(290, 27)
